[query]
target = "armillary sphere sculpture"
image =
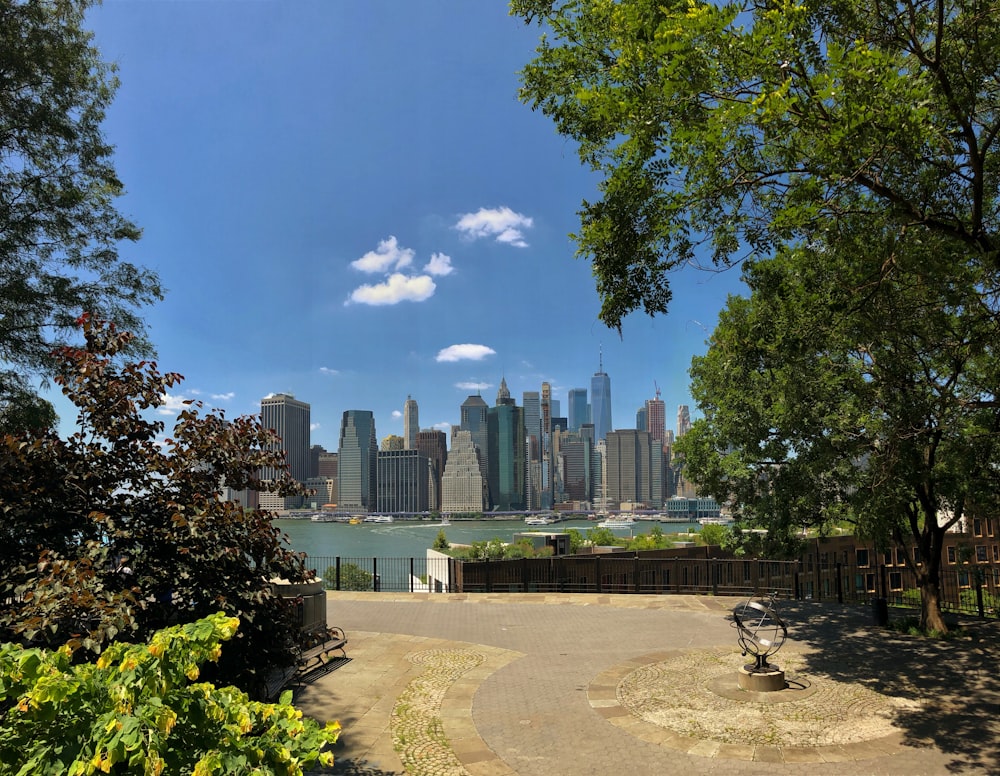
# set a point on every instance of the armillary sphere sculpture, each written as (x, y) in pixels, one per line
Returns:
(761, 634)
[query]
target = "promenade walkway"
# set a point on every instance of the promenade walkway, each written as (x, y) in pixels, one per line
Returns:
(545, 685)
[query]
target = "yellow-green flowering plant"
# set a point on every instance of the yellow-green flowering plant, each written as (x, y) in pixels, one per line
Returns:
(141, 709)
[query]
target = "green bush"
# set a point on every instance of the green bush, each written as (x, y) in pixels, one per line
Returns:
(140, 709)
(352, 577)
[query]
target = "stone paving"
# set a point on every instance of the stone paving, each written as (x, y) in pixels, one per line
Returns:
(495, 685)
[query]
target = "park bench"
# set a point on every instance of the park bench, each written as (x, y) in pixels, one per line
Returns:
(316, 650)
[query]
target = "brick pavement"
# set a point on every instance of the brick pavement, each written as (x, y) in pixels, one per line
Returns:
(542, 685)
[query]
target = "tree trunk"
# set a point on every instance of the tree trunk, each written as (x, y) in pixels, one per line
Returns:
(931, 618)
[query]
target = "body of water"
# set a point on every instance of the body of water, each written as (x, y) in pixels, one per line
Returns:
(411, 539)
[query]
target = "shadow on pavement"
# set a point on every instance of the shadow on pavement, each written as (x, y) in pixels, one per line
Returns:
(955, 680)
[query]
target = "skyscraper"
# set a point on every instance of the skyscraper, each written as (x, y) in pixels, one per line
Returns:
(411, 424)
(402, 481)
(507, 465)
(289, 419)
(532, 419)
(656, 417)
(357, 460)
(393, 442)
(463, 487)
(434, 444)
(546, 408)
(600, 402)
(576, 466)
(503, 393)
(532, 436)
(473, 415)
(632, 469)
(683, 420)
(642, 419)
(577, 408)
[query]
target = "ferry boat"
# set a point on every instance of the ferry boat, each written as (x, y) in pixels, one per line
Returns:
(378, 519)
(620, 521)
(727, 521)
(538, 520)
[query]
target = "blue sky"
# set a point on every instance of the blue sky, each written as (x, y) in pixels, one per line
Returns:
(346, 201)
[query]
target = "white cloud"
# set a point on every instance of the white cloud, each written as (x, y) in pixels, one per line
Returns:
(466, 352)
(440, 264)
(223, 396)
(501, 223)
(388, 256)
(472, 386)
(171, 405)
(442, 426)
(314, 426)
(397, 288)
(396, 414)
(327, 371)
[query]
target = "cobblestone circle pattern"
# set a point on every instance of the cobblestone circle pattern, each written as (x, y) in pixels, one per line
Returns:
(674, 694)
(417, 731)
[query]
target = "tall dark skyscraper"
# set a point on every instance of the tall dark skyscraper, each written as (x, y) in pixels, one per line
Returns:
(656, 417)
(434, 444)
(578, 414)
(474, 421)
(357, 460)
(411, 424)
(289, 419)
(600, 402)
(507, 465)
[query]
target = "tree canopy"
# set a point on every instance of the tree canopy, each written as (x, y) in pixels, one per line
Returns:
(727, 130)
(117, 531)
(845, 154)
(837, 393)
(60, 230)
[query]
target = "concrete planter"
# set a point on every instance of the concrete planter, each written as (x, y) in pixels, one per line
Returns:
(296, 589)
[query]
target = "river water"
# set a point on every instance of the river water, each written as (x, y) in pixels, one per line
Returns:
(410, 539)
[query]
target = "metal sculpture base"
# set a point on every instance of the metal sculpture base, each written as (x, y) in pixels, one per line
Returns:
(768, 678)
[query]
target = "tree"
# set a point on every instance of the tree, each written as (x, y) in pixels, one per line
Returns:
(59, 228)
(603, 537)
(441, 541)
(139, 709)
(352, 577)
(73, 509)
(730, 129)
(837, 392)
(714, 535)
(857, 135)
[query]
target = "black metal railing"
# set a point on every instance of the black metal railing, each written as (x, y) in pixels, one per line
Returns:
(967, 589)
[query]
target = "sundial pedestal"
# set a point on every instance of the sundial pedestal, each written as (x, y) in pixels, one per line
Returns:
(768, 679)
(761, 633)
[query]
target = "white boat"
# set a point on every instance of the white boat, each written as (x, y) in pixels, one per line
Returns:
(323, 518)
(715, 521)
(622, 521)
(378, 519)
(538, 520)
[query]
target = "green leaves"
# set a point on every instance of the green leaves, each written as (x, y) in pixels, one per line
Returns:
(730, 131)
(137, 711)
(71, 509)
(857, 382)
(59, 228)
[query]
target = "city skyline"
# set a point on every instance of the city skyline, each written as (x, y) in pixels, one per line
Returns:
(347, 203)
